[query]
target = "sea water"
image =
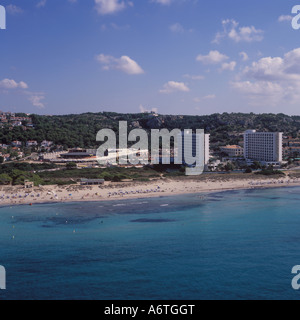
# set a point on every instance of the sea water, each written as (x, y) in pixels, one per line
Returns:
(229, 245)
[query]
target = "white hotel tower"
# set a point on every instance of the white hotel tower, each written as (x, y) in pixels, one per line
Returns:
(265, 147)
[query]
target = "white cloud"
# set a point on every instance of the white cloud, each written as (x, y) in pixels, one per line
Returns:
(41, 4)
(232, 31)
(169, 2)
(36, 98)
(276, 69)
(214, 57)
(177, 28)
(124, 64)
(163, 2)
(12, 84)
(262, 93)
(284, 18)
(272, 81)
(230, 66)
(205, 98)
(194, 77)
(145, 110)
(13, 9)
(104, 7)
(210, 97)
(173, 86)
(244, 56)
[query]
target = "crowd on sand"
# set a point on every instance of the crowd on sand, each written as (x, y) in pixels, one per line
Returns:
(16, 195)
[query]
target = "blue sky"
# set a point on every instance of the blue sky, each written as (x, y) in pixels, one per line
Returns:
(174, 56)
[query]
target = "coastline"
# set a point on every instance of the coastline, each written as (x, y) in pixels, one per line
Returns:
(12, 196)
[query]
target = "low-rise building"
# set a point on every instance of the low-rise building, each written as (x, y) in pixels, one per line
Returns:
(31, 143)
(79, 154)
(28, 184)
(291, 151)
(46, 144)
(92, 182)
(6, 156)
(17, 123)
(233, 151)
(17, 144)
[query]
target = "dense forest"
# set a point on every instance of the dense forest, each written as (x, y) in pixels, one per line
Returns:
(79, 130)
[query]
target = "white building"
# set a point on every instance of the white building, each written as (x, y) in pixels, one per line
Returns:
(46, 144)
(115, 155)
(17, 123)
(31, 143)
(265, 147)
(233, 151)
(17, 144)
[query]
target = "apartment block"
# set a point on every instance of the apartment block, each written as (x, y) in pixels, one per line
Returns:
(265, 147)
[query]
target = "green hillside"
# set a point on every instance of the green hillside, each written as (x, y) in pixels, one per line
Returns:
(80, 130)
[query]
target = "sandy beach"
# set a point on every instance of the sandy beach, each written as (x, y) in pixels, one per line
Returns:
(17, 195)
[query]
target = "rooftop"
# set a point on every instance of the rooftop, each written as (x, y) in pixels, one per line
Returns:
(232, 147)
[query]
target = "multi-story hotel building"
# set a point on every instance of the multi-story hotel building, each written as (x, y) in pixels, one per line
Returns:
(265, 147)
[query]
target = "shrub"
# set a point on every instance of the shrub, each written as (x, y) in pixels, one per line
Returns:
(5, 179)
(71, 166)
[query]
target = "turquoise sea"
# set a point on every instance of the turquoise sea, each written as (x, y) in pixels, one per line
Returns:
(229, 245)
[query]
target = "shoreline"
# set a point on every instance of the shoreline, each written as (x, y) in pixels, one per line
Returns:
(15, 196)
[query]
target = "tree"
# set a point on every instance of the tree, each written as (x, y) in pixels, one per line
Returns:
(1, 159)
(5, 179)
(220, 167)
(19, 177)
(13, 154)
(71, 166)
(116, 179)
(229, 167)
(256, 165)
(248, 170)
